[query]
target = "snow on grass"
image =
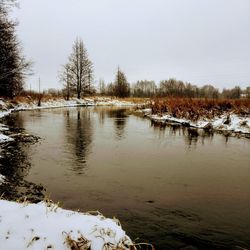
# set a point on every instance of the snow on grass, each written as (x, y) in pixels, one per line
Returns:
(4, 113)
(53, 104)
(46, 226)
(3, 127)
(73, 103)
(5, 138)
(235, 123)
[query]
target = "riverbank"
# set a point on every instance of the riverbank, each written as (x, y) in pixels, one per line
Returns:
(47, 226)
(226, 116)
(231, 117)
(228, 124)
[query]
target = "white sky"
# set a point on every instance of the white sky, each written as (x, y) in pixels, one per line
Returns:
(200, 41)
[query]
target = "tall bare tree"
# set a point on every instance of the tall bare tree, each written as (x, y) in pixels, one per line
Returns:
(78, 72)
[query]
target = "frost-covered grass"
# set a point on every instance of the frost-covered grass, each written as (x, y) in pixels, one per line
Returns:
(47, 226)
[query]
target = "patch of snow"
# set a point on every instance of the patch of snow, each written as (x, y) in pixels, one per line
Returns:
(39, 226)
(2, 179)
(5, 138)
(237, 123)
(3, 127)
(4, 113)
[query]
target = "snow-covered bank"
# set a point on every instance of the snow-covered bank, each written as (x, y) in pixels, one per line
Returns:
(227, 122)
(3, 137)
(46, 226)
(58, 103)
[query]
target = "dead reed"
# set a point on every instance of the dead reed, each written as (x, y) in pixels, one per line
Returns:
(194, 109)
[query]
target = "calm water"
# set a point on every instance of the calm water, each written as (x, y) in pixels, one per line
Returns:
(167, 185)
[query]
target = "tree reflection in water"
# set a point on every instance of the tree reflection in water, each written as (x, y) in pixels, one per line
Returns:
(120, 118)
(191, 135)
(79, 132)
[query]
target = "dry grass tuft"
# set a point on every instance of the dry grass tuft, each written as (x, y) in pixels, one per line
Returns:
(34, 98)
(80, 244)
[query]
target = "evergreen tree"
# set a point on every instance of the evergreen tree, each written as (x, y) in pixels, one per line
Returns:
(121, 85)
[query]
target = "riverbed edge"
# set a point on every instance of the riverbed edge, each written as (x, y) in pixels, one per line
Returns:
(238, 126)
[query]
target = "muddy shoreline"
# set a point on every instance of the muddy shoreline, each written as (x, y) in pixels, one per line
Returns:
(14, 166)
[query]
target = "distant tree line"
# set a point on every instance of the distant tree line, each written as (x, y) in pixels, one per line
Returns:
(172, 88)
(13, 65)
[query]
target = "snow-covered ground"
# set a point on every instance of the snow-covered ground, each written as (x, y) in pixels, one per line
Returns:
(98, 101)
(226, 122)
(46, 226)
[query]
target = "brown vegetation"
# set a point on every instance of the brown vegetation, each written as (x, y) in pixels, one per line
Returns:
(195, 108)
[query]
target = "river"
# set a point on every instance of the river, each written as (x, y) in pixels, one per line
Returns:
(166, 184)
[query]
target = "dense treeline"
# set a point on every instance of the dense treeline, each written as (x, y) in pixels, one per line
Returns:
(13, 66)
(175, 88)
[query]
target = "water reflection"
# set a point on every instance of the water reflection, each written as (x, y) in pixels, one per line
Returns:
(120, 118)
(79, 131)
(101, 115)
(191, 135)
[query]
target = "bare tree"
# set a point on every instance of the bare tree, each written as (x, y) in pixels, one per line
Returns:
(102, 88)
(65, 78)
(78, 70)
(144, 88)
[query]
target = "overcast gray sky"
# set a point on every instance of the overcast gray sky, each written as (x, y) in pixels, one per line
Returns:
(200, 41)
